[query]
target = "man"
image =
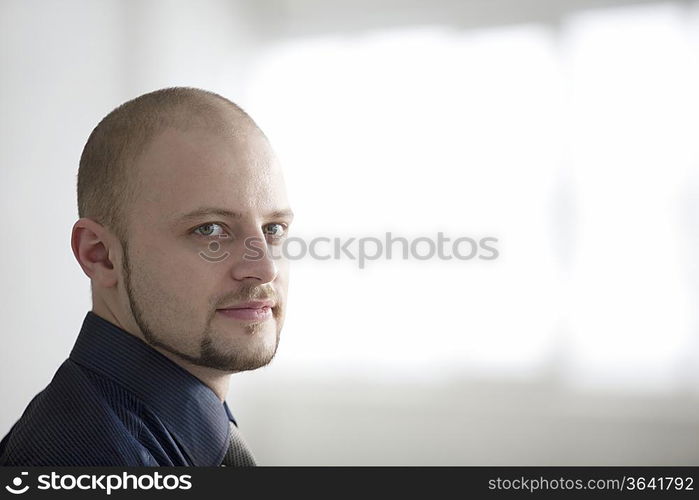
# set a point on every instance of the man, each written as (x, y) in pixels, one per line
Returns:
(175, 188)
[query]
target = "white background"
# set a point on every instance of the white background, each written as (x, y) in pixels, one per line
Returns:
(566, 129)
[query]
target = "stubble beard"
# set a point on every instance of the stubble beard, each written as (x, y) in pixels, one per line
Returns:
(235, 360)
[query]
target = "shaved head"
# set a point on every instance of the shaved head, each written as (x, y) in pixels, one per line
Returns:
(185, 285)
(106, 178)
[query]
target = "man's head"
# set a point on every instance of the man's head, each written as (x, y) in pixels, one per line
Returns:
(173, 187)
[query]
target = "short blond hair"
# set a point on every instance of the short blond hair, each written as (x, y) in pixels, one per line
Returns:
(104, 187)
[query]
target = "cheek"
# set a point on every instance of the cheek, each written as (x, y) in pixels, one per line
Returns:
(283, 266)
(178, 277)
(282, 287)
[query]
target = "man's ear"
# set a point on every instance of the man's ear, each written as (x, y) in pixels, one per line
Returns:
(92, 246)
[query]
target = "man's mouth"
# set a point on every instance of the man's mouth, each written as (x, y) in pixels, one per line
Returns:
(256, 310)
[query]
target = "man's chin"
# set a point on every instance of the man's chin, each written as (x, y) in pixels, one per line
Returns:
(243, 351)
(238, 364)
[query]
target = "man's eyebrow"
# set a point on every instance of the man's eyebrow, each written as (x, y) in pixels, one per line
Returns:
(287, 213)
(222, 212)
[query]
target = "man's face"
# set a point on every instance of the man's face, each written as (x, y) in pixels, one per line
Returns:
(200, 196)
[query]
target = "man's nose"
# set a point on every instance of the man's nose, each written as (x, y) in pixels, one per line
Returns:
(255, 261)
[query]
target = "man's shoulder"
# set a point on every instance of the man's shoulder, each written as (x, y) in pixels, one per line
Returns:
(78, 419)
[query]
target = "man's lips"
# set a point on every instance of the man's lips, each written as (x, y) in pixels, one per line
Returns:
(256, 310)
(252, 304)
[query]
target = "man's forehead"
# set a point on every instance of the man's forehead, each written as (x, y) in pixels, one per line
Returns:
(177, 155)
(192, 136)
(200, 169)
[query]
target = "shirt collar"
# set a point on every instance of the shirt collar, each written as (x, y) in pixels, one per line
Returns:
(189, 408)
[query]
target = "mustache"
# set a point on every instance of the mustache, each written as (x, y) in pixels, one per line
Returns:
(248, 293)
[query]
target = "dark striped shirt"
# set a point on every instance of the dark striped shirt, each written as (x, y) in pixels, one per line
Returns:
(116, 401)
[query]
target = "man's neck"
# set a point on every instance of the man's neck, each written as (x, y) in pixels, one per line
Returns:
(216, 380)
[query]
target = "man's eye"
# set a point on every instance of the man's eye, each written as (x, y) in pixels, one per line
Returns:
(209, 229)
(275, 230)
